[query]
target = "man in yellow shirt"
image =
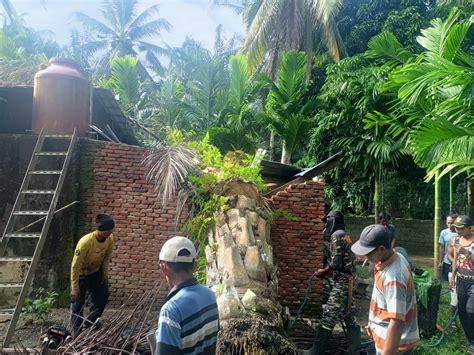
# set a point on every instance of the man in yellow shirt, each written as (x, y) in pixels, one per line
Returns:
(89, 272)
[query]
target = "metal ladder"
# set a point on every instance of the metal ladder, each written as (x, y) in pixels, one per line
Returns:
(19, 211)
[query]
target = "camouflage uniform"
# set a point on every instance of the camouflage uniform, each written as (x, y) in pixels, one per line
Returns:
(341, 260)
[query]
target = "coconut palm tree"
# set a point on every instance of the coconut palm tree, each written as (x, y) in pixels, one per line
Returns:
(123, 32)
(277, 26)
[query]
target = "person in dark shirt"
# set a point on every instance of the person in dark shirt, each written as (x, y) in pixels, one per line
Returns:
(340, 269)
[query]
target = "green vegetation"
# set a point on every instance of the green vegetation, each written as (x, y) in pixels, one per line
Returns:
(41, 304)
(388, 84)
(454, 342)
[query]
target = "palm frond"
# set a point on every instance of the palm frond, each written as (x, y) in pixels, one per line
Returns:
(125, 10)
(238, 77)
(168, 169)
(93, 24)
(262, 30)
(149, 29)
(144, 16)
(386, 47)
(433, 38)
(239, 9)
(124, 79)
(291, 76)
(439, 140)
(94, 46)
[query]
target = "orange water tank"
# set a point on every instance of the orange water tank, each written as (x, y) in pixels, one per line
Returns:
(61, 98)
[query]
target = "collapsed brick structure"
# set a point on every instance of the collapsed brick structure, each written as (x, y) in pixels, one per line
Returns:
(111, 177)
(114, 181)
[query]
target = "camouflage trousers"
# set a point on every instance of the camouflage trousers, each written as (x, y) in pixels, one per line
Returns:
(336, 307)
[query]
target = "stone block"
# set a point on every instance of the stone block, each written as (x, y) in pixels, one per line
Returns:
(233, 216)
(234, 270)
(229, 304)
(245, 203)
(243, 235)
(255, 265)
(252, 218)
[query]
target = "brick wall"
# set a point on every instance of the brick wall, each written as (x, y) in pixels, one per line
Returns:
(298, 245)
(413, 234)
(108, 177)
(113, 181)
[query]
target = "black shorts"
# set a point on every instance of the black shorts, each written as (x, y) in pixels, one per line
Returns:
(445, 272)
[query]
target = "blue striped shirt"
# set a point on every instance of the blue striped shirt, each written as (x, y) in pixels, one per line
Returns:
(189, 321)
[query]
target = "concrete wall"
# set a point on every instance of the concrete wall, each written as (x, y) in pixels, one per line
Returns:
(413, 234)
(298, 245)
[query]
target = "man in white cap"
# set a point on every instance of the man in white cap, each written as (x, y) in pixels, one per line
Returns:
(189, 320)
(393, 321)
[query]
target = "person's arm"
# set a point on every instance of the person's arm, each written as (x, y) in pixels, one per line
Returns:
(394, 334)
(76, 265)
(452, 255)
(440, 250)
(105, 263)
(168, 334)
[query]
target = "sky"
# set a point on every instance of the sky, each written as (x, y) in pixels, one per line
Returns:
(194, 18)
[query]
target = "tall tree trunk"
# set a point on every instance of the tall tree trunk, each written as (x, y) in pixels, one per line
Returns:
(376, 197)
(470, 197)
(285, 154)
(272, 145)
(450, 193)
(309, 47)
(437, 223)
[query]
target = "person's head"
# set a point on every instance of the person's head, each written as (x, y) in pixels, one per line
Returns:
(463, 224)
(105, 226)
(384, 218)
(177, 260)
(450, 221)
(334, 221)
(374, 243)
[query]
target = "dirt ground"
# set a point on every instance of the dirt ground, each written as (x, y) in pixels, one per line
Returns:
(30, 328)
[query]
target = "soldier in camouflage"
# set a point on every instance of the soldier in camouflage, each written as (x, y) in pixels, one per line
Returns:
(339, 269)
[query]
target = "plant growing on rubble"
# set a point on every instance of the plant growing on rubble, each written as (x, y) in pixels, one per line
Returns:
(42, 303)
(196, 172)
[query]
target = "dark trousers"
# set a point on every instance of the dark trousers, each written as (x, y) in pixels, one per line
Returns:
(99, 292)
(445, 271)
(465, 291)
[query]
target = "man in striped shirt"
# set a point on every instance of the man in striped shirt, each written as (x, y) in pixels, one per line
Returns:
(189, 320)
(393, 321)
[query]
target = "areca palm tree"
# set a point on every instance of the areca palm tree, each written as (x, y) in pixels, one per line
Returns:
(276, 26)
(242, 108)
(288, 104)
(203, 76)
(375, 152)
(124, 32)
(433, 100)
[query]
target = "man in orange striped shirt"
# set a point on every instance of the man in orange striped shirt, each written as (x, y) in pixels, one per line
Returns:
(393, 321)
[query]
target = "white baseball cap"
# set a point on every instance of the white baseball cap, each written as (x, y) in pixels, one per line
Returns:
(171, 249)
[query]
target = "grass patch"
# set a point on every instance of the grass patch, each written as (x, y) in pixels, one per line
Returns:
(453, 343)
